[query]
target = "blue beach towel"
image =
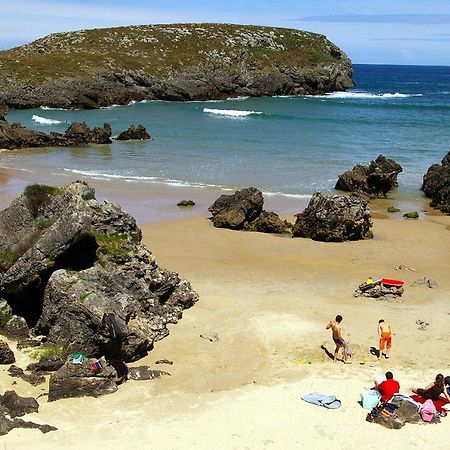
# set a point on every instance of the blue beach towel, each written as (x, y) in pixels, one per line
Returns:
(327, 401)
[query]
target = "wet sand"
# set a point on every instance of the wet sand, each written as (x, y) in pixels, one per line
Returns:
(268, 298)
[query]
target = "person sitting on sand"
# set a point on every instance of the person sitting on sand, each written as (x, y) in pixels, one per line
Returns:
(387, 388)
(336, 330)
(447, 383)
(385, 335)
(433, 390)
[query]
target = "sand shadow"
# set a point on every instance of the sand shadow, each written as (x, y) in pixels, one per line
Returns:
(327, 352)
(374, 351)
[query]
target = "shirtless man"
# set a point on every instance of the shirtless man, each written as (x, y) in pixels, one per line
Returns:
(385, 335)
(335, 326)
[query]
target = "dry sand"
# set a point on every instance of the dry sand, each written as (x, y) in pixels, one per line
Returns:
(268, 298)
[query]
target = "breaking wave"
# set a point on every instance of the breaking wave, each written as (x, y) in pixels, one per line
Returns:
(45, 121)
(231, 112)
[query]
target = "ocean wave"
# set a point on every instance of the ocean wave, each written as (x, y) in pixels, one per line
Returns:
(231, 112)
(366, 95)
(50, 108)
(45, 121)
(239, 98)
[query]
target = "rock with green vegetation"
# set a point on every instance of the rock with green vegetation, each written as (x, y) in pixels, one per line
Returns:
(411, 215)
(86, 264)
(5, 312)
(436, 184)
(100, 67)
(393, 209)
(184, 203)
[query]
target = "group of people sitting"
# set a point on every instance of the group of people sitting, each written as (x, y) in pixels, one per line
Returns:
(440, 386)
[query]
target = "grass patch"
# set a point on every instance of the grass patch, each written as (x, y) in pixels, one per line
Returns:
(39, 195)
(116, 245)
(42, 224)
(8, 258)
(5, 317)
(45, 350)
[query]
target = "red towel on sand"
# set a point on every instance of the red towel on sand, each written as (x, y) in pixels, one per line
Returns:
(439, 403)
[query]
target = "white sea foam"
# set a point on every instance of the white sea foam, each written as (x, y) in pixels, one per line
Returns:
(366, 95)
(237, 99)
(45, 121)
(231, 112)
(49, 108)
(283, 194)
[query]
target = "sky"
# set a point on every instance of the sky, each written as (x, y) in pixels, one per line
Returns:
(413, 32)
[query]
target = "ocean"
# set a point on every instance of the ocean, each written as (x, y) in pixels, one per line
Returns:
(293, 146)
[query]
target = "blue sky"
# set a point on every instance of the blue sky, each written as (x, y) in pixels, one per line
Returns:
(369, 31)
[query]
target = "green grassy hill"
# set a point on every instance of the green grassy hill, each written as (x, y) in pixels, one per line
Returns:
(152, 60)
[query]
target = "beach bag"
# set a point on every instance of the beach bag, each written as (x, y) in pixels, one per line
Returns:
(428, 411)
(370, 399)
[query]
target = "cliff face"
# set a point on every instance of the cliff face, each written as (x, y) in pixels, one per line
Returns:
(93, 68)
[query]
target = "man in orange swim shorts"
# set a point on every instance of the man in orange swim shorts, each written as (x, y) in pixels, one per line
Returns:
(385, 334)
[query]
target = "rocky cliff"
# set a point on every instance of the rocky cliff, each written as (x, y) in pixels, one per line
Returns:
(93, 68)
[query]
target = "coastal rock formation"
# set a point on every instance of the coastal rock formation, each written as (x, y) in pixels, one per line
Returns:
(375, 180)
(380, 292)
(334, 218)
(138, 133)
(16, 136)
(17, 406)
(436, 184)
(269, 222)
(79, 380)
(243, 210)
(6, 425)
(76, 270)
(170, 62)
(237, 210)
(6, 354)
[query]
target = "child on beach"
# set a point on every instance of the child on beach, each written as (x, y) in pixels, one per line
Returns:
(385, 335)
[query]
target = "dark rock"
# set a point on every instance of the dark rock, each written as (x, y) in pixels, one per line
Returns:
(87, 261)
(17, 327)
(32, 378)
(334, 218)
(436, 184)
(16, 136)
(28, 343)
(47, 364)
(236, 210)
(184, 203)
(423, 326)
(375, 180)
(379, 292)
(6, 354)
(164, 361)
(134, 133)
(6, 425)
(17, 406)
(144, 373)
(411, 215)
(269, 222)
(79, 380)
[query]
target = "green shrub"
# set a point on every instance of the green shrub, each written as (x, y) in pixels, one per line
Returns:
(39, 195)
(393, 209)
(411, 215)
(45, 350)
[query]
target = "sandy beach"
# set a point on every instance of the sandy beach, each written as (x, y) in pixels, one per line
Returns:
(268, 299)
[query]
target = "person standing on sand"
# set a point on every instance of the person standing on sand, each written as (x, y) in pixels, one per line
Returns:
(385, 335)
(336, 330)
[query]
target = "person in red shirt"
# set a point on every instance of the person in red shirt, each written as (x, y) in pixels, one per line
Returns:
(388, 388)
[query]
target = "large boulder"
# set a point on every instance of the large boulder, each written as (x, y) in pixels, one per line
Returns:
(17, 406)
(334, 218)
(80, 380)
(6, 354)
(269, 222)
(375, 180)
(134, 133)
(76, 270)
(237, 210)
(436, 184)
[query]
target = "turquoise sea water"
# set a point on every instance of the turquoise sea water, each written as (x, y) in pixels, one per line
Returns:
(290, 145)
